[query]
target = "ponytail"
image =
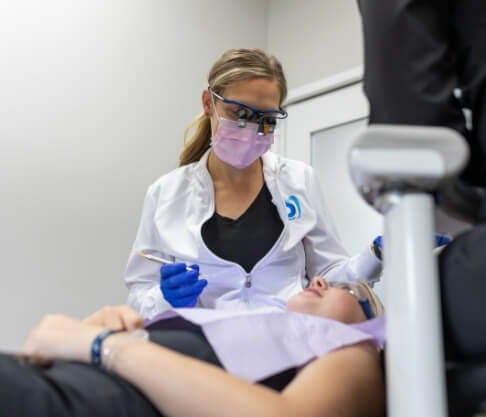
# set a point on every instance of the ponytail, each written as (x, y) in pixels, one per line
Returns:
(199, 142)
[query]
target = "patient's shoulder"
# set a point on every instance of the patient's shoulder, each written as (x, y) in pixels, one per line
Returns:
(348, 381)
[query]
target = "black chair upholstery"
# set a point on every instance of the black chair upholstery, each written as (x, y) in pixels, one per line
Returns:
(461, 200)
(466, 389)
(462, 267)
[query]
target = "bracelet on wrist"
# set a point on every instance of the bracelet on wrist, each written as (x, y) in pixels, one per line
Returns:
(110, 351)
(96, 345)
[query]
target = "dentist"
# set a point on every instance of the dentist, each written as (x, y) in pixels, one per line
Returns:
(253, 222)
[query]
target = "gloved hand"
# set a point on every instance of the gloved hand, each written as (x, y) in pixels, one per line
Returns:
(377, 245)
(181, 287)
(441, 240)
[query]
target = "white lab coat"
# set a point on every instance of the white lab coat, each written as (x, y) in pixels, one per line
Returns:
(180, 202)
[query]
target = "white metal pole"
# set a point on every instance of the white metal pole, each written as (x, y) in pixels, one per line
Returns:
(414, 353)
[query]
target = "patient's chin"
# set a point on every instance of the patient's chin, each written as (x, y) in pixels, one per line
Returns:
(295, 305)
(301, 303)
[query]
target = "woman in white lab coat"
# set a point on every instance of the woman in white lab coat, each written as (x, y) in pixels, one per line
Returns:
(252, 222)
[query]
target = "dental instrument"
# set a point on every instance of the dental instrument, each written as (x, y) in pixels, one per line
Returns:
(165, 262)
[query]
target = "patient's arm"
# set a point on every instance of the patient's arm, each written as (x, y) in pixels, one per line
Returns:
(347, 381)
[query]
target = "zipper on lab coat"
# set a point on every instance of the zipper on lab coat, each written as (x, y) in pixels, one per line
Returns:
(211, 209)
(248, 275)
(277, 201)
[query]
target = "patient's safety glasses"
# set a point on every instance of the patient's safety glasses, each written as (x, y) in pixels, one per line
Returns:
(359, 292)
(243, 113)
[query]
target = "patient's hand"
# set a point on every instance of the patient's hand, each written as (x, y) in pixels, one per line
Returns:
(117, 317)
(61, 337)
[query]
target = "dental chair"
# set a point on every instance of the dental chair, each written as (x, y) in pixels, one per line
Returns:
(400, 171)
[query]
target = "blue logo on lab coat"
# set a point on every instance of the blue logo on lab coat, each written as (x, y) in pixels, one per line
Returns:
(293, 206)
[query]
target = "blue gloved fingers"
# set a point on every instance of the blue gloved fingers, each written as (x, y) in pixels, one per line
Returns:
(379, 241)
(181, 287)
(185, 302)
(186, 290)
(180, 280)
(168, 270)
(441, 240)
(184, 296)
(190, 290)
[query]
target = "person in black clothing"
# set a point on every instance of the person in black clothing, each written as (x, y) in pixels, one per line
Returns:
(416, 53)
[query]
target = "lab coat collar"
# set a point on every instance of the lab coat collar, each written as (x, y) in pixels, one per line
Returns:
(201, 168)
(272, 164)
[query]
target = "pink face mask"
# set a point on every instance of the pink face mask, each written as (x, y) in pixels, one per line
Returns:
(239, 146)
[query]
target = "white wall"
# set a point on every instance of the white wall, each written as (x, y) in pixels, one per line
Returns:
(95, 96)
(314, 39)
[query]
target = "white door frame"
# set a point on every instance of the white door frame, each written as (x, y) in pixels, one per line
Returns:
(348, 104)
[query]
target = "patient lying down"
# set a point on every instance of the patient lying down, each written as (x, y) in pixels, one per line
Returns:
(148, 379)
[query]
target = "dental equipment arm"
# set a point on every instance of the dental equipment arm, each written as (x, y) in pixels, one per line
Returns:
(396, 169)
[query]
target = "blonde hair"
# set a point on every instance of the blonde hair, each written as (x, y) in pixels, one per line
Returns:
(233, 66)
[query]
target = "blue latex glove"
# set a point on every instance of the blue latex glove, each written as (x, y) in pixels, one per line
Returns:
(440, 240)
(181, 287)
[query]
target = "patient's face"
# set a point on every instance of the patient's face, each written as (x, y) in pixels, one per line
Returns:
(320, 299)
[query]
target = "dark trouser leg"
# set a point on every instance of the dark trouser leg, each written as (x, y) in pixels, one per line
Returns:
(410, 63)
(468, 20)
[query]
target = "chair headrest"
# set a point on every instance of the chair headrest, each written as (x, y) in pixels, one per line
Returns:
(401, 157)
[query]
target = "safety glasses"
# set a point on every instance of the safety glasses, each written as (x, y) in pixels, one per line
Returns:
(243, 113)
(359, 292)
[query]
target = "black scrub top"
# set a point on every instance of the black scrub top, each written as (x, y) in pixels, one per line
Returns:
(248, 238)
